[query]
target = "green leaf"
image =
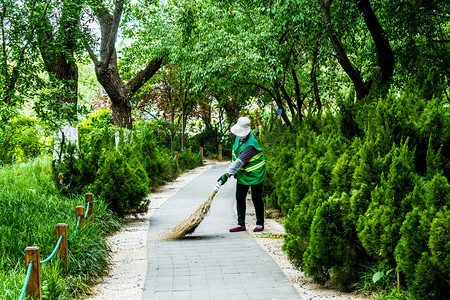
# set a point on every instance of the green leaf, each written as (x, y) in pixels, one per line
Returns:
(377, 276)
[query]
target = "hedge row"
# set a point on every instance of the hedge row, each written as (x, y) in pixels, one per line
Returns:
(365, 189)
(123, 174)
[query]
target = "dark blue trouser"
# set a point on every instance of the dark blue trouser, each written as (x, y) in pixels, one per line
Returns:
(241, 194)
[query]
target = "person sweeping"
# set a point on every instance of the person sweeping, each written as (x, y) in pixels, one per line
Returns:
(248, 166)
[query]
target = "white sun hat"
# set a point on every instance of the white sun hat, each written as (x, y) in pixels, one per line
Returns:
(242, 128)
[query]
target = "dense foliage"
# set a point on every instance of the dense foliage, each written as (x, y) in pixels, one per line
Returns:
(22, 138)
(367, 188)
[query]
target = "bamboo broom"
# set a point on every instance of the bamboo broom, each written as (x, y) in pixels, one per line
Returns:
(188, 225)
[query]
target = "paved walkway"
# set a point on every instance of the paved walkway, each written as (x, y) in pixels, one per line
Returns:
(211, 263)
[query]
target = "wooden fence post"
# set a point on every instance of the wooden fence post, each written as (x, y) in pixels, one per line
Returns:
(61, 229)
(190, 151)
(220, 152)
(201, 152)
(167, 156)
(79, 212)
(176, 157)
(400, 278)
(90, 199)
(33, 254)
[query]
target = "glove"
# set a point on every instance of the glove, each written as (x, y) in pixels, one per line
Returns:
(222, 179)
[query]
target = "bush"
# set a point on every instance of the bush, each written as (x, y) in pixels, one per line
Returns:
(145, 142)
(23, 138)
(368, 192)
(122, 182)
(77, 169)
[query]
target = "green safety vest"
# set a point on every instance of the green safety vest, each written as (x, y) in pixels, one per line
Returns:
(254, 171)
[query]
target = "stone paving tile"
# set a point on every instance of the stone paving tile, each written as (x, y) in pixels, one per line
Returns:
(211, 263)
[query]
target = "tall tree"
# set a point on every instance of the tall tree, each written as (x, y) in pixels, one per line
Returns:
(58, 43)
(106, 67)
(19, 21)
(383, 49)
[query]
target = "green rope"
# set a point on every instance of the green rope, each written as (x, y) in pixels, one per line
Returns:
(226, 149)
(30, 266)
(199, 152)
(24, 289)
(76, 229)
(175, 157)
(87, 210)
(54, 251)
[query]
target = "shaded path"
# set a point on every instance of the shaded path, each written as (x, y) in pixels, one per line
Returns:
(211, 263)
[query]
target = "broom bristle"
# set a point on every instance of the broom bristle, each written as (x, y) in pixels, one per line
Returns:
(188, 225)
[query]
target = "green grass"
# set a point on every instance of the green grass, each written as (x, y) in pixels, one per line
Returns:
(30, 208)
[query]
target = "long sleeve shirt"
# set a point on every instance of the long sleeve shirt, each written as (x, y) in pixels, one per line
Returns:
(243, 158)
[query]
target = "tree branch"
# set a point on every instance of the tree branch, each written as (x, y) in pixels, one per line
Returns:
(341, 55)
(91, 53)
(109, 27)
(113, 30)
(246, 12)
(259, 86)
(144, 75)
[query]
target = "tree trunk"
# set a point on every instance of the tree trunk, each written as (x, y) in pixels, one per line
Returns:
(384, 51)
(314, 75)
(360, 87)
(64, 70)
(58, 55)
(109, 78)
(277, 99)
(107, 71)
(121, 113)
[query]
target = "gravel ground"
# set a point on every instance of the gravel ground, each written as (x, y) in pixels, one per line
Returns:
(129, 262)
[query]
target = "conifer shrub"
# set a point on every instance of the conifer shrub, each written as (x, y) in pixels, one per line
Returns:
(369, 194)
(379, 227)
(332, 251)
(187, 160)
(145, 142)
(122, 181)
(77, 168)
(422, 253)
(117, 165)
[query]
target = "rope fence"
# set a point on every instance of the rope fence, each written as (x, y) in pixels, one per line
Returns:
(24, 289)
(200, 153)
(176, 156)
(54, 251)
(76, 229)
(32, 284)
